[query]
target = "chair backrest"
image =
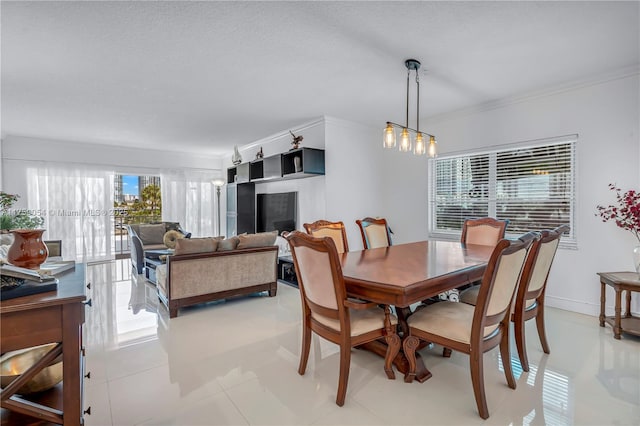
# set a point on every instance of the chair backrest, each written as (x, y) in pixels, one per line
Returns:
(536, 270)
(319, 277)
(485, 231)
(499, 284)
(333, 230)
(375, 232)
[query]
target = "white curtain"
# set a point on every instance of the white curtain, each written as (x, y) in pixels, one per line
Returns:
(187, 197)
(77, 205)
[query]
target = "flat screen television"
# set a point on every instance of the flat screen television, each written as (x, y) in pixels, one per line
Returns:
(276, 212)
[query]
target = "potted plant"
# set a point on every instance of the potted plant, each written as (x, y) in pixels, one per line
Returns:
(28, 249)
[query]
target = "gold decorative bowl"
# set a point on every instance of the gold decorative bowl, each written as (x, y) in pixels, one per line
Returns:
(13, 364)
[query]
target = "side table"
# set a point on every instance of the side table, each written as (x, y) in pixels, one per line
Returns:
(287, 270)
(152, 261)
(620, 281)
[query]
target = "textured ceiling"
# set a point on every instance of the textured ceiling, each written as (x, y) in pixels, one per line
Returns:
(203, 76)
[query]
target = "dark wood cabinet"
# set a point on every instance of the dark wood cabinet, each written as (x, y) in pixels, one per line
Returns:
(52, 317)
(241, 208)
(302, 162)
(294, 164)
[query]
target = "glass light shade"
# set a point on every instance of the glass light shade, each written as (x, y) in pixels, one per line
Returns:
(420, 148)
(389, 137)
(217, 182)
(433, 148)
(405, 141)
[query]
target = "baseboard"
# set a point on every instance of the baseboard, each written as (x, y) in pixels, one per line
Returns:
(581, 307)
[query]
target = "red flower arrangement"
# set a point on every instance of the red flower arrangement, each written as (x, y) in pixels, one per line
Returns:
(627, 212)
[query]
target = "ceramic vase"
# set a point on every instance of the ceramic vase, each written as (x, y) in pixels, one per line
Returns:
(636, 258)
(28, 250)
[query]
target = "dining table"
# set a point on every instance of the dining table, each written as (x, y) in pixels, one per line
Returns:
(405, 275)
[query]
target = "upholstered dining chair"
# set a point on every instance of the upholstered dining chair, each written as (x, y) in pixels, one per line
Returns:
(375, 232)
(484, 231)
(475, 330)
(529, 300)
(328, 312)
(334, 230)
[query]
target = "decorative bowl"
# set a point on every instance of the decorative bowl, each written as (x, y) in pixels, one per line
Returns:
(13, 364)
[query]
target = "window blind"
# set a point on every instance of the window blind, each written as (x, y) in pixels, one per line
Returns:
(530, 184)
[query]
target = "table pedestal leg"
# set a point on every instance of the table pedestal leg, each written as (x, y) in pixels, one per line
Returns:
(379, 347)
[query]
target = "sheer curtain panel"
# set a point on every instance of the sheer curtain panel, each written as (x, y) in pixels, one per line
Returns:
(77, 205)
(187, 197)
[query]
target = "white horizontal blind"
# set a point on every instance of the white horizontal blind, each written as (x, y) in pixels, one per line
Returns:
(461, 190)
(531, 184)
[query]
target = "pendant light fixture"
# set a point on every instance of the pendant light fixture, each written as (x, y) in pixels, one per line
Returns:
(408, 141)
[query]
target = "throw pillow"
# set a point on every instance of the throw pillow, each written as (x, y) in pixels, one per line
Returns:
(170, 238)
(152, 234)
(195, 245)
(228, 244)
(262, 239)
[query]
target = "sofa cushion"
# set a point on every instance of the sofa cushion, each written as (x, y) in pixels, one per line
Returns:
(151, 234)
(196, 245)
(228, 244)
(262, 239)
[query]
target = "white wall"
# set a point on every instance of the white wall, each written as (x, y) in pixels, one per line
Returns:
(606, 117)
(354, 158)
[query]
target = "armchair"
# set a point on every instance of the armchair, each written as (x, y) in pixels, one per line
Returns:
(149, 236)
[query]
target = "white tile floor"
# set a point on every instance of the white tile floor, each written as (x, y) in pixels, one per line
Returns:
(235, 363)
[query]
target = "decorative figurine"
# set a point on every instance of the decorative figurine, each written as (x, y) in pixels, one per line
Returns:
(259, 154)
(297, 140)
(236, 158)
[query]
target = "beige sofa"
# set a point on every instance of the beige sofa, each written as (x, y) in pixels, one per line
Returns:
(188, 279)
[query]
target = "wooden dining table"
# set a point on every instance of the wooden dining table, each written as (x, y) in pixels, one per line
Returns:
(406, 274)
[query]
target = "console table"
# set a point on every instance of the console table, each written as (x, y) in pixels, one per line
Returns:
(52, 317)
(620, 281)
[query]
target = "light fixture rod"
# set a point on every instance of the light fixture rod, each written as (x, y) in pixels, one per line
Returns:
(408, 128)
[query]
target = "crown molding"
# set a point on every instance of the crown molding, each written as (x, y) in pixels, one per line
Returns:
(618, 74)
(280, 135)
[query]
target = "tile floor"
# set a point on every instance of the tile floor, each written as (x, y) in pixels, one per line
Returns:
(235, 363)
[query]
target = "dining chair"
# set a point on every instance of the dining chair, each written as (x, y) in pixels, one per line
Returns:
(474, 330)
(529, 300)
(484, 231)
(334, 230)
(328, 312)
(375, 232)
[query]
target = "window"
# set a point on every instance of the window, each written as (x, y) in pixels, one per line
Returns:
(531, 184)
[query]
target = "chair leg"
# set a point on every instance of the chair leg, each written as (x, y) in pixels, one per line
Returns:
(518, 325)
(505, 353)
(393, 348)
(477, 379)
(306, 347)
(541, 330)
(345, 361)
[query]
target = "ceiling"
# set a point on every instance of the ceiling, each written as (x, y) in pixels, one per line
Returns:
(204, 76)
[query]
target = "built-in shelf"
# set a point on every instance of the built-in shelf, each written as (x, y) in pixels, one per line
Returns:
(295, 164)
